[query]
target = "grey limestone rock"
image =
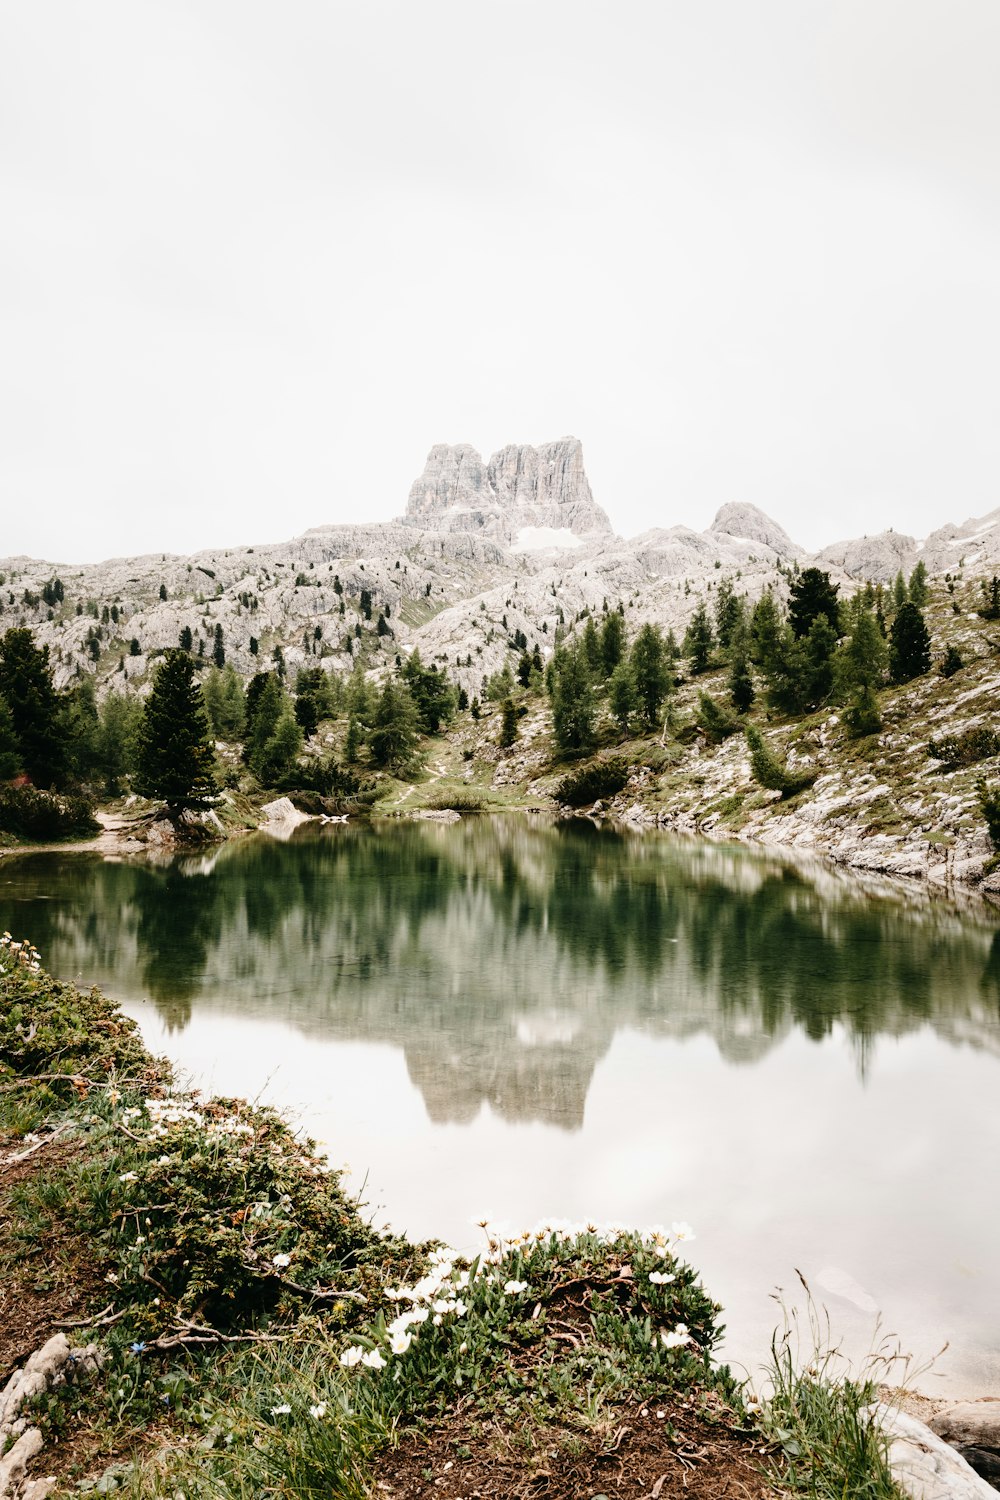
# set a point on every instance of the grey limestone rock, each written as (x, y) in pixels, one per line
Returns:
(973, 1428)
(520, 487)
(924, 1466)
(747, 523)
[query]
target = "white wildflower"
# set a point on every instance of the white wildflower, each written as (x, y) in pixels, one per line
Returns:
(318, 1412)
(281, 1261)
(662, 1278)
(400, 1342)
(682, 1231)
(283, 1410)
(373, 1360)
(352, 1356)
(513, 1288)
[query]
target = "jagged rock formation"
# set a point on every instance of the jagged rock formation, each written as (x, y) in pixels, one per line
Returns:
(879, 557)
(745, 523)
(521, 489)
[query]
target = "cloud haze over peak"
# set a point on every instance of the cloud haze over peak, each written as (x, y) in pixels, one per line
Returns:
(256, 260)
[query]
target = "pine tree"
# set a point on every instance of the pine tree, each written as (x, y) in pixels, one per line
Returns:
(186, 638)
(918, 585)
(650, 674)
(740, 684)
(812, 594)
(10, 749)
(573, 710)
(622, 696)
(862, 715)
(909, 645)
(508, 724)
(163, 590)
(612, 642)
(728, 613)
(899, 590)
(592, 648)
(27, 686)
(765, 631)
(352, 742)
(699, 640)
(394, 727)
(175, 755)
(218, 649)
(275, 761)
(861, 662)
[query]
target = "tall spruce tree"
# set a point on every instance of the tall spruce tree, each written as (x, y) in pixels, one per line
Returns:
(573, 709)
(612, 642)
(810, 595)
(650, 674)
(26, 684)
(175, 756)
(909, 644)
(395, 726)
(699, 640)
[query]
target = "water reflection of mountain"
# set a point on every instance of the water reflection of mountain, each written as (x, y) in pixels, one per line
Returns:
(502, 956)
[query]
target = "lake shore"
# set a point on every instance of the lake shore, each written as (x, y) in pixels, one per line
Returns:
(136, 1263)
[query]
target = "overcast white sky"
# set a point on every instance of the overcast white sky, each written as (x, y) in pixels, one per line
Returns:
(255, 258)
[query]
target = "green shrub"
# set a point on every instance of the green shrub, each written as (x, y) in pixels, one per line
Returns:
(862, 716)
(989, 802)
(34, 814)
(953, 661)
(592, 783)
(770, 772)
(967, 748)
(716, 719)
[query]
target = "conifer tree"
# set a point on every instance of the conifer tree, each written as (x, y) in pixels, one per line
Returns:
(812, 594)
(622, 696)
(592, 648)
(861, 662)
(699, 640)
(394, 726)
(765, 631)
(27, 686)
(612, 642)
(10, 749)
(508, 724)
(899, 590)
(650, 674)
(918, 585)
(218, 649)
(740, 683)
(573, 710)
(909, 644)
(175, 756)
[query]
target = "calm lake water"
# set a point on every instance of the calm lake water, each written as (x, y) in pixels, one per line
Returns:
(524, 1019)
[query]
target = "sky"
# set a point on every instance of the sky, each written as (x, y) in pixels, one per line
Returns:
(255, 259)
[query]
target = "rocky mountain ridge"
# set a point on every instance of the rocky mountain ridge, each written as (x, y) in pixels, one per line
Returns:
(485, 550)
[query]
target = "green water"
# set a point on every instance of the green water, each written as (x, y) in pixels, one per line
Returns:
(532, 1019)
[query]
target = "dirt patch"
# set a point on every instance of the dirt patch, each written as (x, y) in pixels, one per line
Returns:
(51, 1278)
(640, 1452)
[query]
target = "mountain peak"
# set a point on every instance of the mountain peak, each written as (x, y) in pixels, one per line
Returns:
(749, 523)
(520, 487)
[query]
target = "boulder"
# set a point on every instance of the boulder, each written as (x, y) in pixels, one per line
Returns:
(923, 1465)
(973, 1429)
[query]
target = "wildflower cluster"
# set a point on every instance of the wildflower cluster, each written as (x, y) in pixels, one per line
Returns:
(18, 955)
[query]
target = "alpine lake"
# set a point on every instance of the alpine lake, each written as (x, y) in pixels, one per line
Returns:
(520, 1019)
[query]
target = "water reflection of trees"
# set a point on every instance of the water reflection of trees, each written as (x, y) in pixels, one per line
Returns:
(506, 938)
